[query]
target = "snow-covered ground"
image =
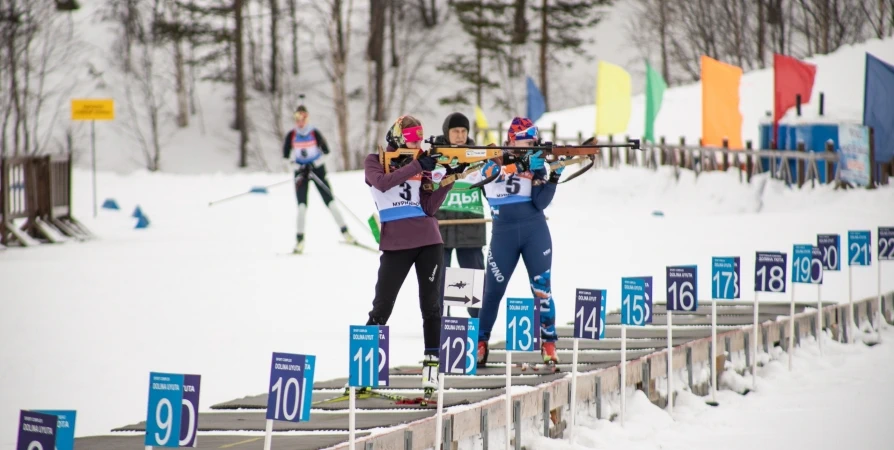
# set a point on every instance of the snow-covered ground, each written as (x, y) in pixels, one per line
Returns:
(211, 291)
(840, 398)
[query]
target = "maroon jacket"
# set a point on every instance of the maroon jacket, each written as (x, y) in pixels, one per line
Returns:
(414, 232)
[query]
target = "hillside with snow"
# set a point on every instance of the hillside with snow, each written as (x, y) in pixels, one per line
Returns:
(839, 76)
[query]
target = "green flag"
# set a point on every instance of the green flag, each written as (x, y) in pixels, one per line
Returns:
(655, 87)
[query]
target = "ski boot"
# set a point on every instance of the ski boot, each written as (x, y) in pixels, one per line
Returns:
(429, 378)
(299, 246)
(347, 236)
(482, 353)
(550, 358)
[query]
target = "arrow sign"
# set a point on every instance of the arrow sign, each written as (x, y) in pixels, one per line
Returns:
(463, 287)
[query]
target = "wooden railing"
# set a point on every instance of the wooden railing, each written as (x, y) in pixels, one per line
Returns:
(35, 201)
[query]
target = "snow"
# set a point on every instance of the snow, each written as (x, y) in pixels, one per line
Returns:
(843, 395)
(210, 290)
(839, 75)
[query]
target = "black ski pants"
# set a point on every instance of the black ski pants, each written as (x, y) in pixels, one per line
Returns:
(303, 178)
(468, 258)
(394, 265)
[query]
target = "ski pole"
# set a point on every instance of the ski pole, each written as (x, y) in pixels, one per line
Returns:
(250, 191)
(320, 184)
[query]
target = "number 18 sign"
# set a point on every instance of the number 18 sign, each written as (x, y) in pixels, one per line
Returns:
(769, 271)
(172, 419)
(589, 314)
(522, 325)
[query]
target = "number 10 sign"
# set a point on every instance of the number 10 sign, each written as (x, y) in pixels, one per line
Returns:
(291, 378)
(172, 416)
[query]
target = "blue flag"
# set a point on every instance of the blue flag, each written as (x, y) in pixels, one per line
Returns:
(536, 105)
(878, 109)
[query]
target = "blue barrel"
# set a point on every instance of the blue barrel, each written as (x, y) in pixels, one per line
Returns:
(765, 132)
(815, 136)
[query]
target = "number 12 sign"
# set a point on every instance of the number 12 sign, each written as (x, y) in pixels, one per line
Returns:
(682, 287)
(522, 325)
(589, 314)
(170, 396)
(459, 346)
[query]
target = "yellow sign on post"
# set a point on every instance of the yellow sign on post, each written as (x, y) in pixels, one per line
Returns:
(92, 109)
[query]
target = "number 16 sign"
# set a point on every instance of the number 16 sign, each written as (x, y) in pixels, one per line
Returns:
(172, 416)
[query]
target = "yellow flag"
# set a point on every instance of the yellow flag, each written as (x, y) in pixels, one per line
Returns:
(721, 118)
(612, 99)
(490, 137)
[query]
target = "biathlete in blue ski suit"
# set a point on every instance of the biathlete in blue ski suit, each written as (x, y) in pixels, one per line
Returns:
(517, 199)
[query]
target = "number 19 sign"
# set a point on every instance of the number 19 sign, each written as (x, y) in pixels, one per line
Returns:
(807, 264)
(682, 287)
(589, 314)
(522, 325)
(172, 416)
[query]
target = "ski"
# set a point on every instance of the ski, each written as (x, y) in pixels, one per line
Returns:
(427, 395)
(363, 246)
(550, 367)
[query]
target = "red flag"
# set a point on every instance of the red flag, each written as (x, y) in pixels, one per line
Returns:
(790, 78)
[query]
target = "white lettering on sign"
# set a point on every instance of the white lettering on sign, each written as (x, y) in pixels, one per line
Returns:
(289, 367)
(165, 386)
(363, 337)
(189, 388)
(42, 429)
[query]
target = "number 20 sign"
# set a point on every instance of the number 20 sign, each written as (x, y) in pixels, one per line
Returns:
(522, 325)
(172, 416)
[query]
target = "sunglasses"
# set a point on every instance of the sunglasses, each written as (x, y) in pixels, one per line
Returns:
(528, 133)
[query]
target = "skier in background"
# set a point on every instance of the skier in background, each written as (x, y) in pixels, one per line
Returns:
(304, 152)
(463, 202)
(517, 199)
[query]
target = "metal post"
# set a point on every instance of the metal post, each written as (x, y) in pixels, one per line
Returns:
(797, 334)
(598, 397)
(646, 375)
(408, 440)
(368, 446)
(546, 418)
(516, 418)
(689, 365)
(448, 433)
(484, 429)
(747, 350)
(93, 158)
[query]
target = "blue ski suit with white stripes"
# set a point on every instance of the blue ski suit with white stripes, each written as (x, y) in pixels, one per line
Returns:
(517, 201)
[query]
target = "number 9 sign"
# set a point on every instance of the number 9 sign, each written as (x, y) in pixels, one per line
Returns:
(163, 419)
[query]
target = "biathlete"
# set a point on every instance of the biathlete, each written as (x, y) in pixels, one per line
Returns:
(517, 198)
(407, 202)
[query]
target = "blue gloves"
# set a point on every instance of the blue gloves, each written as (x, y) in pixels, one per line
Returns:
(535, 161)
(558, 170)
(490, 169)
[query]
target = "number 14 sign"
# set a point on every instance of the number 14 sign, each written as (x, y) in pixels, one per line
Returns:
(589, 315)
(172, 416)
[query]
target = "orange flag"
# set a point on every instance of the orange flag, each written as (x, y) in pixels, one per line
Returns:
(720, 103)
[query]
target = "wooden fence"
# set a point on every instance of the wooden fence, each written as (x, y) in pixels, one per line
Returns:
(35, 201)
(797, 167)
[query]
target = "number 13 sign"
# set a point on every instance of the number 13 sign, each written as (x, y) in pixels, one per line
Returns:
(172, 416)
(522, 325)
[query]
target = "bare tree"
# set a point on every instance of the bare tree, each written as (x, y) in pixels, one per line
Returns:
(293, 20)
(239, 84)
(877, 13)
(335, 15)
(37, 43)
